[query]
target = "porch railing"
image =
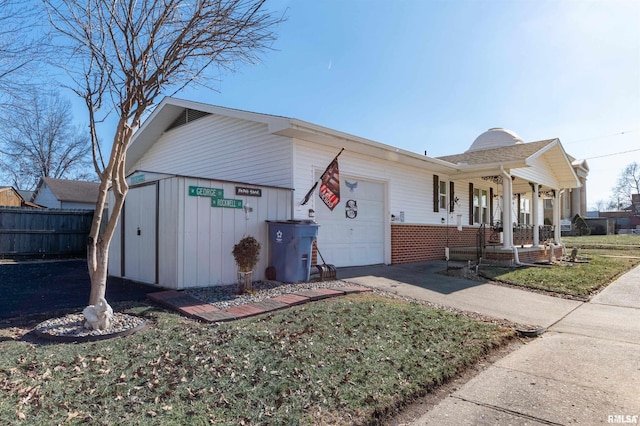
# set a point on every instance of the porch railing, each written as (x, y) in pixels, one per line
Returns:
(546, 233)
(522, 235)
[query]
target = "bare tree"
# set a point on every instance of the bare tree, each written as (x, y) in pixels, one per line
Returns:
(38, 140)
(627, 185)
(21, 47)
(124, 54)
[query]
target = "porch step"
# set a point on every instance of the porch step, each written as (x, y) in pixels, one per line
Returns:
(463, 253)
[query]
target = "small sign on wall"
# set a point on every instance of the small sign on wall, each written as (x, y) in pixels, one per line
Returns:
(250, 192)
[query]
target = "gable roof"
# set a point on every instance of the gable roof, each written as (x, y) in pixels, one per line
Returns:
(12, 189)
(70, 190)
(170, 109)
(471, 164)
(24, 202)
(503, 154)
(516, 159)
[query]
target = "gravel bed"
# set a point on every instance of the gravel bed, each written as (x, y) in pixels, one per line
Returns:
(227, 296)
(70, 327)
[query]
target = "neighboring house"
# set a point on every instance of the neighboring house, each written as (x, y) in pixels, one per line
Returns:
(623, 221)
(396, 206)
(66, 194)
(11, 197)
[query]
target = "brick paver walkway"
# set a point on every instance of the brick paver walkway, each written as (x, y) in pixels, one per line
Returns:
(194, 308)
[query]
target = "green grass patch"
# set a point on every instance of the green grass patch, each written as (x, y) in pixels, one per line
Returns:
(608, 257)
(347, 360)
(626, 241)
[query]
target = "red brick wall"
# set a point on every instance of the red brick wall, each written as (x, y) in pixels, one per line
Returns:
(418, 243)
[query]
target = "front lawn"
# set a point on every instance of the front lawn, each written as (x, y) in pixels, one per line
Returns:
(347, 360)
(604, 258)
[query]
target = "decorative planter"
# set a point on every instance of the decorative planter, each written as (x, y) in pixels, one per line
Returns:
(245, 282)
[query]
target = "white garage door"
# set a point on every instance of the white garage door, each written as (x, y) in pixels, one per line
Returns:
(353, 233)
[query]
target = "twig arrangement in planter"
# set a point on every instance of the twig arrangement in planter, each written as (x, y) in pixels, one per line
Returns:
(246, 253)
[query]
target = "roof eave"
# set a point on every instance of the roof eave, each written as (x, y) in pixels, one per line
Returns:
(299, 129)
(470, 171)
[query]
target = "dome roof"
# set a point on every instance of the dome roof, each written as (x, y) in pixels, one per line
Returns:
(495, 138)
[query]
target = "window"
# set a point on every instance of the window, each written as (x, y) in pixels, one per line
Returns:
(443, 195)
(525, 211)
(480, 202)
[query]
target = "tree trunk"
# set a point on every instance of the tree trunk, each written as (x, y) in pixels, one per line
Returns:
(97, 274)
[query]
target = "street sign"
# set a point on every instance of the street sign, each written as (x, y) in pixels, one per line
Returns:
(203, 191)
(226, 202)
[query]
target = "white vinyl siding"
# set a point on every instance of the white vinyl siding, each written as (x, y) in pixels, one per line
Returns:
(195, 240)
(409, 188)
(217, 147)
(541, 173)
(206, 234)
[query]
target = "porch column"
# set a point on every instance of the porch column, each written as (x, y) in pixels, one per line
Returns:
(507, 220)
(535, 214)
(556, 216)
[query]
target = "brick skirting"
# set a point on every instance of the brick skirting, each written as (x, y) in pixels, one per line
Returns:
(419, 243)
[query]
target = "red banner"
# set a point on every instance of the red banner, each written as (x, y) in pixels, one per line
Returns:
(330, 186)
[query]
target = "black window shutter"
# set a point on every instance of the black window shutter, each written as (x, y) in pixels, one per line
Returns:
(451, 196)
(491, 206)
(436, 193)
(470, 203)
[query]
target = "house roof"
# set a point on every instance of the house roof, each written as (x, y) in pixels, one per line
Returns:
(503, 154)
(171, 108)
(27, 195)
(517, 159)
(70, 190)
(487, 157)
(24, 201)
(12, 189)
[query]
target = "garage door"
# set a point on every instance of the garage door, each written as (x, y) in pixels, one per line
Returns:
(353, 233)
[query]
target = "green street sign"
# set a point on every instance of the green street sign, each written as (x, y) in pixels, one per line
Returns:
(226, 202)
(203, 191)
(137, 179)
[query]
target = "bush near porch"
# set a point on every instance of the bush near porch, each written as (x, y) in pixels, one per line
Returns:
(349, 360)
(608, 256)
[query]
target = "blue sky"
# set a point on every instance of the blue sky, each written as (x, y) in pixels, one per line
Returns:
(432, 75)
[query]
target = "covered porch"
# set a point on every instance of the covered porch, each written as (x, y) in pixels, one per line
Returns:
(529, 179)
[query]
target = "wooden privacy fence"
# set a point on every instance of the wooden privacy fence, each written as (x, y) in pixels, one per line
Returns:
(44, 232)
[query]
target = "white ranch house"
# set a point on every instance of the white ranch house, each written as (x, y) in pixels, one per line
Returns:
(409, 207)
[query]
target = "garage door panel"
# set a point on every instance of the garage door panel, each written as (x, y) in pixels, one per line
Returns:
(353, 233)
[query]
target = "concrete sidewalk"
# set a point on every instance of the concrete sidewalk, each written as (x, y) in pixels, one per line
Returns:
(585, 370)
